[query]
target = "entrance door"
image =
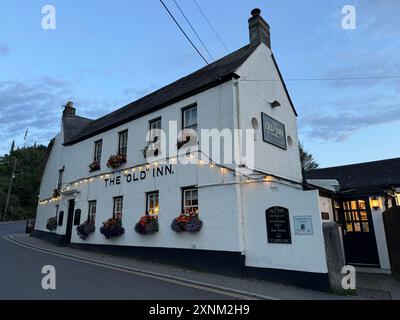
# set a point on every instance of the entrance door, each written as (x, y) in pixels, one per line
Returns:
(358, 233)
(70, 220)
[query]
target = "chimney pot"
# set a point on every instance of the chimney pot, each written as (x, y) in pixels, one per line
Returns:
(259, 29)
(69, 110)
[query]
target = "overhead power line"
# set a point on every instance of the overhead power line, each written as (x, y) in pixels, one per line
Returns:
(211, 26)
(325, 79)
(195, 32)
(183, 31)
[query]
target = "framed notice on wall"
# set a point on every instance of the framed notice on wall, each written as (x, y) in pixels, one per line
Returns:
(278, 225)
(273, 131)
(303, 225)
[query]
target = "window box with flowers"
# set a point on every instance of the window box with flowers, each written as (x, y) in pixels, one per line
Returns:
(94, 166)
(187, 222)
(85, 229)
(112, 228)
(116, 161)
(147, 224)
(51, 224)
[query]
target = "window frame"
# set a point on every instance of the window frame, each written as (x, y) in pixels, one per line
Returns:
(183, 206)
(91, 215)
(115, 213)
(97, 155)
(120, 141)
(148, 195)
(60, 178)
(151, 135)
(184, 111)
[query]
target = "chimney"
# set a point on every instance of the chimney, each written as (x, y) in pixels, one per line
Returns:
(259, 29)
(69, 110)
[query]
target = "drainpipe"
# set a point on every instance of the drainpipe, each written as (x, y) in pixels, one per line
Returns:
(239, 187)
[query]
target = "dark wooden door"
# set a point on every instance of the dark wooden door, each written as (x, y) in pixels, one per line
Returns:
(358, 233)
(70, 220)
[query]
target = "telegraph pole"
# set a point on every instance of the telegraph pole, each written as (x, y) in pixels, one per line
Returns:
(9, 190)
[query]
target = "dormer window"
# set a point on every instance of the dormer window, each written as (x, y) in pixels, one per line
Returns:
(123, 143)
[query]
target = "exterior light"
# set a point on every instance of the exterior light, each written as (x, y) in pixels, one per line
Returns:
(375, 203)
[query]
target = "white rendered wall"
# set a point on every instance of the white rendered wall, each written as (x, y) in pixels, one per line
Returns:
(306, 252)
(325, 204)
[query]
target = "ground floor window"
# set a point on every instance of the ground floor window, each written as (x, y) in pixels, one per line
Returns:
(92, 210)
(152, 206)
(398, 199)
(118, 207)
(190, 203)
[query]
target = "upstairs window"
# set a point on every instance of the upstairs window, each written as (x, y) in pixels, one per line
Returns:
(118, 207)
(189, 118)
(190, 200)
(123, 143)
(98, 146)
(152, 203)
(60, 178)
(92, 210)
(155, 127)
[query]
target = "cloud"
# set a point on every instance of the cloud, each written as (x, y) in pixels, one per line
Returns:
(4, 50)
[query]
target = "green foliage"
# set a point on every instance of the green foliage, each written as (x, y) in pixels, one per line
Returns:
(26, 183)
(308, 162)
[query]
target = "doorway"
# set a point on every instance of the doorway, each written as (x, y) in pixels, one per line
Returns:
(358, 233)
(70, 220)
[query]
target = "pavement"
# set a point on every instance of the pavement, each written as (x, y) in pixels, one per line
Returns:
(89, 275)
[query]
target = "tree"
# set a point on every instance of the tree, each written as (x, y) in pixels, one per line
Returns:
(308, 162)
(26, 184)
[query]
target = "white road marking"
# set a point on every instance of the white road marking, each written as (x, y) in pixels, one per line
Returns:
(158, 276)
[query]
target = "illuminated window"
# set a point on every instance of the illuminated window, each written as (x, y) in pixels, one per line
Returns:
(92, 210)
(152, 203)
(190, 200)
(123, 143)
(398, 198)
(118, 207)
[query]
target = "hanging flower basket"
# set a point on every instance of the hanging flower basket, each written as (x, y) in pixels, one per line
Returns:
(116, 161)
(94, 166)
(187, 222)
(147, 225)
(51, 224)
(112, 228)
(85, 229)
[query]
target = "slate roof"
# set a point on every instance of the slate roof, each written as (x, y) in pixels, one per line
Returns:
(210, 76)
(366, 176)
(73, 125)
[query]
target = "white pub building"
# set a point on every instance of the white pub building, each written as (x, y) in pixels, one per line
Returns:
(248, 217)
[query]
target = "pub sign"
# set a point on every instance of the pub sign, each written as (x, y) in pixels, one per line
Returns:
(278, 225)
(273, 131)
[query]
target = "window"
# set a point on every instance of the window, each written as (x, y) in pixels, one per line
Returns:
(190, 200)
(152, 203)
(118, 207)
(154, 127)
(61, 218)
(189, 117)
(60, 178)
(92, 210)
(123, 143)
(98, 146)
(77, 217)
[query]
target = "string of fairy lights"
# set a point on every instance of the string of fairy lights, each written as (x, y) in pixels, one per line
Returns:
(204, 159)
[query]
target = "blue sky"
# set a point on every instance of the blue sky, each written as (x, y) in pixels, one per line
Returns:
(105, 54)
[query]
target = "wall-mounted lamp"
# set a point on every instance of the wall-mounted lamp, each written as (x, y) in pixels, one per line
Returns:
(275, 104)
(375, 203)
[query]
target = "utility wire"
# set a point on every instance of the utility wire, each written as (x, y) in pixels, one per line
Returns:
(211, 26)
(325, 79)
(195, 32)
(183, 31)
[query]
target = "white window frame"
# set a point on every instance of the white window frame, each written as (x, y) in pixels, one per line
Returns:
(92, 210)
(154, 129)
(118, 207)
(189, 118)
(188, 198)
(98, 149)
(152, 203)
(123, 143)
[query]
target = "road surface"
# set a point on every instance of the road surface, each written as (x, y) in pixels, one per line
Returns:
(21, 278)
